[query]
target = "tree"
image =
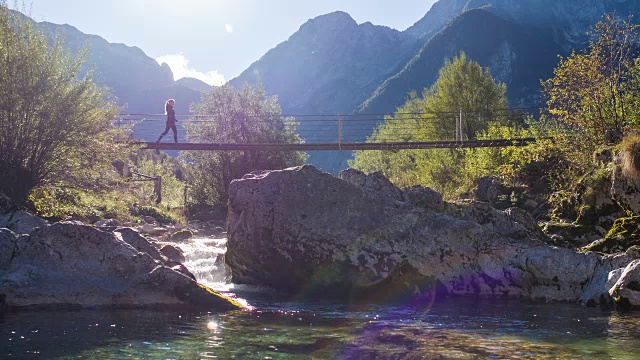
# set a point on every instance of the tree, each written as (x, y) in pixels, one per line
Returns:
(590, 92)
(54, 127)
(463, 87)
(245, 116)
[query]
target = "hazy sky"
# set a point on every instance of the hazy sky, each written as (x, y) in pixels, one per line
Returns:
(214, 39)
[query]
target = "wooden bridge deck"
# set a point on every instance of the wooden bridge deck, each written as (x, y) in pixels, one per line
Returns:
(342, 146)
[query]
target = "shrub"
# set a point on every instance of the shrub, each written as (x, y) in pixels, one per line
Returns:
(630, 157)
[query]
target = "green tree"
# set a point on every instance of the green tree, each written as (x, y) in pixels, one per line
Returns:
(590, 92)
(54, 126)
(463, 87)
(245, 116)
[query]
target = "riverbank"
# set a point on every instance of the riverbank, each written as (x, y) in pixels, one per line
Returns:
(284, 329)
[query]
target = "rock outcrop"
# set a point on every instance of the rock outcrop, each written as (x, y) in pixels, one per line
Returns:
(627, 288)
(626, 192)
(21, 222)
(308, 233)
(72, 265)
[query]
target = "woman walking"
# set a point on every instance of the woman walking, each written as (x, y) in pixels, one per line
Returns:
(171, 120)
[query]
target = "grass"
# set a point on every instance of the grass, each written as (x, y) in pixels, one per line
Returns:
(126, 202)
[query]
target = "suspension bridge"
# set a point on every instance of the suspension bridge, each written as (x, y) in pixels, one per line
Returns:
(327, 132)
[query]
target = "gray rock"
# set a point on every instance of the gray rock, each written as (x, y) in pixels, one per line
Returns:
(149, 219)
(75, 265)
(181, 235)
(183, 269)
(304, 230)
(138, 242)
(21, 222)
(173, 253)
(530, 204)
(153, 230)
(487, 189)
(8, 247)
(375, 182)
(625, 192)
(107, 223)
(626, 291)
(422, 197)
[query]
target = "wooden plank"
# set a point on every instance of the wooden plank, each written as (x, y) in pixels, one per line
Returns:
(341, 146)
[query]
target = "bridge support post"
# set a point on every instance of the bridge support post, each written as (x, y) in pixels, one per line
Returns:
(340, 133)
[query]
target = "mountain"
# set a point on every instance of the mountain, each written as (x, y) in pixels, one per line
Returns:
(330, 65)
(518, 42)
(516, 55)
(570, 18)
(194, 84)
(137, 82)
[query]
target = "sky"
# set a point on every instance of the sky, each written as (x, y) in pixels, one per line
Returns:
(213, 40)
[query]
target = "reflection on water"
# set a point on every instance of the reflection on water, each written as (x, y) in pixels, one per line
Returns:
(456, 328)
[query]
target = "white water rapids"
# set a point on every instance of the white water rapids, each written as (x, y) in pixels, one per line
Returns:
(204, 257)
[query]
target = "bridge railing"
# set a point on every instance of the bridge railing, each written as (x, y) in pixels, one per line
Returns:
(337, 131)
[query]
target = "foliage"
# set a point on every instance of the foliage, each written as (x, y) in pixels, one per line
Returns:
(630, 157)
(121, 202)
(244, 116)
(120, 197)
(463, 87)
(594, 92)
(171, 170)
(54, 127)
(158, 213)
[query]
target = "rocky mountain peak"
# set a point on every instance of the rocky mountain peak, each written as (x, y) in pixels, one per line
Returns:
(329, 23)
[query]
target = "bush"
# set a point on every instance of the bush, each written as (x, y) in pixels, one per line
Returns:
(630, 157)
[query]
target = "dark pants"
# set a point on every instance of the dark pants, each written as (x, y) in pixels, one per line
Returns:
(170, 126)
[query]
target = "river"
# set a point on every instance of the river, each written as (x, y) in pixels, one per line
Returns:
(460, 328)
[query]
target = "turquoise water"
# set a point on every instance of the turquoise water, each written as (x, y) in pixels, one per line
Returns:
(455, 328)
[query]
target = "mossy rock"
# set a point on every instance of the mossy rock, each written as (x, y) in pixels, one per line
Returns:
(201, 296)
(566, 234)
(624, 234)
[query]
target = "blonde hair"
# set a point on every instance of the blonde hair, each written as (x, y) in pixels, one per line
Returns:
(166, 105)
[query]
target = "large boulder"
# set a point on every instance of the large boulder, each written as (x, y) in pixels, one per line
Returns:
(74, 265)
(306, 232)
